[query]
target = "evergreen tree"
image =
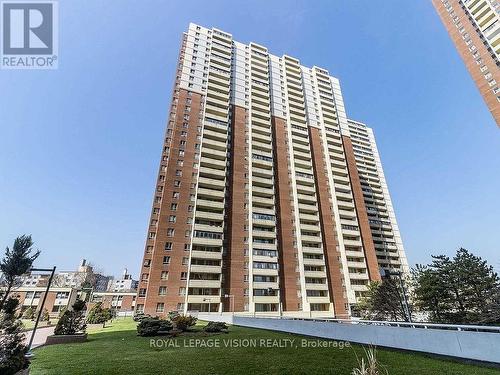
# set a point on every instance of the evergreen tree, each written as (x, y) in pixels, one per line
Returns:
(384, 301)
(16, 262)
(461, 290)
(12, 348)
(72, 321)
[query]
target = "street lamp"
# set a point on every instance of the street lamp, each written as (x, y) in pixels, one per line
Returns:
(52, 272)
(399, 274)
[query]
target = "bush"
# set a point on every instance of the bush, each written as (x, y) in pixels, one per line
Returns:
(139, 316)
(29, 313)
(45, 317)
(172, 315)
(61, 312)
(72, 321)
(153, 326)
(215, 327)
(12, 348)
(98, 315)
(183, 322)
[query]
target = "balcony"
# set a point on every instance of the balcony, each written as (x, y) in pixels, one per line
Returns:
(210, 183)
(209, 204)
(266, 299)
(203, 268)
(209, 228)
(204, 284)
(212, 163)
(317, 286)
(209, 215)
(263, 234)
(314, 262)
(206, 242)
(206, 254)
(202, 192)
(315, 274)
(203, 299)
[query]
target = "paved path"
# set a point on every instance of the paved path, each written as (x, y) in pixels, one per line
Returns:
(40, 336)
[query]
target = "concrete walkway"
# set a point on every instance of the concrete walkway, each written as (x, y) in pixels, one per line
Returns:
(40, 336)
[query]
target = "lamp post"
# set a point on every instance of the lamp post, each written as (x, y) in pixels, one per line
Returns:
(399, 274)
(52, 272)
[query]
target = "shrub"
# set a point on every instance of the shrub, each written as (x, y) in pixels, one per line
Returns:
(62, 311)
(98, 315)
(45, 317)
(72, 321)
(139, 316)
(371, 366)
(172, 315)
(153, 326)
(183, 322)
(12, 348)
(215, 327)
(29, 313)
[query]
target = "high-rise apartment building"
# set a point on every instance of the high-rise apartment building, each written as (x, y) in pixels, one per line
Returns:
(474, 27)
(268, 199)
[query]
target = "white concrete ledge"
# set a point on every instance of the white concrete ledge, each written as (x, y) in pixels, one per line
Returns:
(466, 344)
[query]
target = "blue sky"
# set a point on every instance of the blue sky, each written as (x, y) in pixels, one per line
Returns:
(80, 146)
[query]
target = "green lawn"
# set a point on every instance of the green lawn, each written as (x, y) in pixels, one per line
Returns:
(29, 324)
(118, 350)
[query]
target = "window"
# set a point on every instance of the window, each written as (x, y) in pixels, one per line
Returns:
(145, 277)
(142, 292)
(160, 307)
(172, 218)
(173, 206)
(162, 291)
(176, 195)
(152, 235)
(185, 261)
(186, 247)
(170, 232)
(164, 275)
(181, 153)
(166, 260)
(178, 172)
(140, 309)
(182, 291)
(184, 275)
(177, 183)
(168, 246)
(180, 163)
(147, 262)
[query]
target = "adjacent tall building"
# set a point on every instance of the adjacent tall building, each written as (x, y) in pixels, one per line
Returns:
(268, 199)
(474, 27)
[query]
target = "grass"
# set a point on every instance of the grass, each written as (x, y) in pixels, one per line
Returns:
(117, 349)
(30, 324)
